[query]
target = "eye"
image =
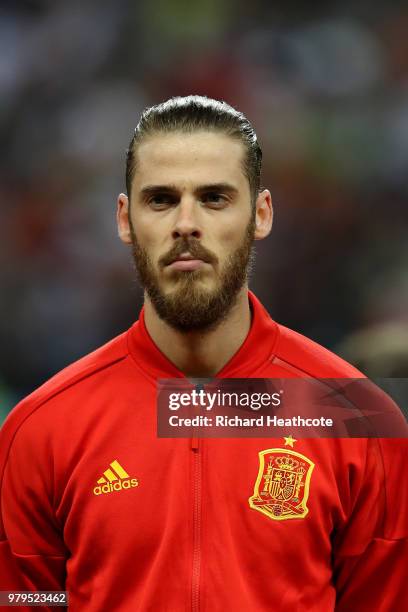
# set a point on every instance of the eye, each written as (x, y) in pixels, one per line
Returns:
(161, 201)
(214, 199)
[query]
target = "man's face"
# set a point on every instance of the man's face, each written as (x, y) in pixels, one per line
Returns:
(191, 226)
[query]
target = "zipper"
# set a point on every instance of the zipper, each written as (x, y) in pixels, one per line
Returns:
(197, 486)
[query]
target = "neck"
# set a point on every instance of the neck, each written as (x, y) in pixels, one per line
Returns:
(201, 354)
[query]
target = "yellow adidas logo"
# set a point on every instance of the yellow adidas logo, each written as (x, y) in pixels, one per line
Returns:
(115, 478)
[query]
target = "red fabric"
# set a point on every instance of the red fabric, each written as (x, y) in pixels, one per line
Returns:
(184, 537)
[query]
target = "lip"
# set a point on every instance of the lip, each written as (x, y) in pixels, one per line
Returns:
(185, 263)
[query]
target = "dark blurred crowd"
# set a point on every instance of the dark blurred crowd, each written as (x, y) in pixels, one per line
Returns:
(326, 87)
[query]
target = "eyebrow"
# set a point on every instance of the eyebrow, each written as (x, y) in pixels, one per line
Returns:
(149, 190)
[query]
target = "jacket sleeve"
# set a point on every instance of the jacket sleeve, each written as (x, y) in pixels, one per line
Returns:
(32, 552)
(371, 551)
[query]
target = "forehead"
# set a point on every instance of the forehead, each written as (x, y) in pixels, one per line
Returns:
(197, 157)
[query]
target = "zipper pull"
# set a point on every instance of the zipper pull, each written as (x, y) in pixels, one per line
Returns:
(195, 442)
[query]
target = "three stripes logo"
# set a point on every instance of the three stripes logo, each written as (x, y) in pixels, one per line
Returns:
(115, 478)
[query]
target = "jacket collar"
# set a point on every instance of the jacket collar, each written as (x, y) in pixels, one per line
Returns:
(256, 349)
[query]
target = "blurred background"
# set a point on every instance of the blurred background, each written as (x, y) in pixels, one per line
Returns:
(326, 88)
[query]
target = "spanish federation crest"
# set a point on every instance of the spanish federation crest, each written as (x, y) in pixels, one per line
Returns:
(282, 488)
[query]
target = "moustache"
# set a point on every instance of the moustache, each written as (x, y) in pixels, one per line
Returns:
(191, 246)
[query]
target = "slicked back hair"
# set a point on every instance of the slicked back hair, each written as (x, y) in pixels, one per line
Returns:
(194, 114)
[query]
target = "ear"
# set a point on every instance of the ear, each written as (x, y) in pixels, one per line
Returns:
(264, 214)
(122, 218)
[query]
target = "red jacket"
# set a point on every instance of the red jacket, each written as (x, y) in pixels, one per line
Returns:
(174, 530)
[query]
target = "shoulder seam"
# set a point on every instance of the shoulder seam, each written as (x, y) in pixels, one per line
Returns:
(87, 373)
(290, 362)
(285, 362)
(25, 555)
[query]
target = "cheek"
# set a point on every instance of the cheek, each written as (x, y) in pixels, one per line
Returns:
(146, 236)
(153, 232)
(232, 236)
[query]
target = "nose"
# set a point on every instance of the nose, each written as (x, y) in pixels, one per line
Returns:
(186, 224)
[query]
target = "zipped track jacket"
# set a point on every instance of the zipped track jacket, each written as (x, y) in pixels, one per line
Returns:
(93, 502)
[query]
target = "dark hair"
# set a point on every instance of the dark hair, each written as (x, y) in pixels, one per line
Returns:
(195, 113)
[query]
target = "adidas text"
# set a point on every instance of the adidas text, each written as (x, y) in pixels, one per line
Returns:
(110, 487)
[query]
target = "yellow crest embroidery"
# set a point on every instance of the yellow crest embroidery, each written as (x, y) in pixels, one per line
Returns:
(282, 488)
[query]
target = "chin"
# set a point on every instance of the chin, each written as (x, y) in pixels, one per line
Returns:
(190, 282)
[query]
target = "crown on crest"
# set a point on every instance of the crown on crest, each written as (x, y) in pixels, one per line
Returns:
(286, 463)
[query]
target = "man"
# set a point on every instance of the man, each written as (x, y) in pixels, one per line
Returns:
(93, 502)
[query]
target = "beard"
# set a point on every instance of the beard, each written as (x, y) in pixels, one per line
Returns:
(191, 306)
